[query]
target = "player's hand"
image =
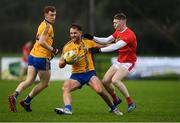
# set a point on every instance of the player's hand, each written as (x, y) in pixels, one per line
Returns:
(94, 50)
(88, 36)
(55, 51)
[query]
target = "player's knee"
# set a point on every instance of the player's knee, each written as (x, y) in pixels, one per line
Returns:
(65, 88)
(105, 81)
(25, 84)
(98, 90)
(114, 81)
(28, 81)
(46, 84)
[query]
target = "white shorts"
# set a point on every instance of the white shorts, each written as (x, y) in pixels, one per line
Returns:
(125, 65)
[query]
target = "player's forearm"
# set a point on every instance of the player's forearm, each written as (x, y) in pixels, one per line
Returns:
(103, 40)
(114, 46)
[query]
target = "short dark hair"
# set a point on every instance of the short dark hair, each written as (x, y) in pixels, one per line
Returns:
(49, 8)
(120, 16)
(76, 26)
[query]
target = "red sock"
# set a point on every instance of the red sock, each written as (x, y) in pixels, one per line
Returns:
(115, 97)
(129, 100)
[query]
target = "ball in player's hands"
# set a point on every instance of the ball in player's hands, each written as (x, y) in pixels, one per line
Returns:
(70, 57)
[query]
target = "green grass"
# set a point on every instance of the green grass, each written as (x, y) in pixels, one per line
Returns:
(156, 101)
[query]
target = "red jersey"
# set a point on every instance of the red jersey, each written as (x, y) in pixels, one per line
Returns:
(128, 52)
(25, 51)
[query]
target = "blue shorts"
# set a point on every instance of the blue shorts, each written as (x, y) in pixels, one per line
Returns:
(83, 78)
(39, 63)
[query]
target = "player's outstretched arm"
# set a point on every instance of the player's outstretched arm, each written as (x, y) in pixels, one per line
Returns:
(100, 40)
(103, 40)
(115, 46)
(110, 48)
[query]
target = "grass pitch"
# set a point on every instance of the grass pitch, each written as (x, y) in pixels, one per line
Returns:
(156, 101)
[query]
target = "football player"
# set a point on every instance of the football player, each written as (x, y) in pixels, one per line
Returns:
(38, 61)
(83, 71)
(125, 43)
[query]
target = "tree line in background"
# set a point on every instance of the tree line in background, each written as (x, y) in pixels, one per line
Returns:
(156, 23)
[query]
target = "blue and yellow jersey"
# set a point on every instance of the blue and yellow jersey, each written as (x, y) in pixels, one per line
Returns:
(85, 62)
(38, 50)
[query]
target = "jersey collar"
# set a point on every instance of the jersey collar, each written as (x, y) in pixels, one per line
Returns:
(47, 21)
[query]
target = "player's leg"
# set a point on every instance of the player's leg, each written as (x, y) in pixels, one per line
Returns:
(117, 80)
(68, 86)
(109, 86)
(31, 74)
(96, 85)
(44, 77)
(43, 67)
(121, 73)
(23, 70)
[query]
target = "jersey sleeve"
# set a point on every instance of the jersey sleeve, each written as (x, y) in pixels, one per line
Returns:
(93, 44)
(115, 34)
(126, 38)
(65, 49)
(89, 43)
(41, 29)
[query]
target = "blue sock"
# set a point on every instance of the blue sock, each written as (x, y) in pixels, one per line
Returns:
(68, 107)
(28, 99)
(16, 94)
(113, 107)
